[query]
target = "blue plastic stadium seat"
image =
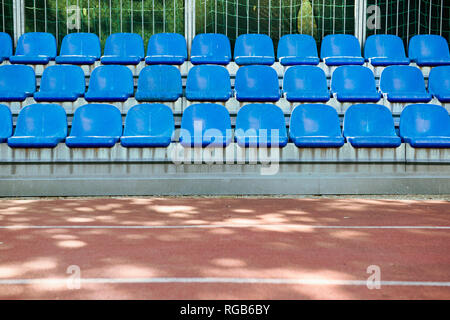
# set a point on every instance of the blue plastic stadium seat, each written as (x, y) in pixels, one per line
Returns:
(39, 126)
(35, 48)
(79, 48)
(16, 82)
(385, 50)
(208, 83)
(205, 124)
(123, 48)
(260, 125)
(254, 49)
(211, 48)
(354, 84)
(341, 49)
(148, 125)
(305, 84)
(439, 83)
(404, 84)
(257, 83)
(425, 126)
(6, 124)
(429, 50)
(370, 126)
(166, 48)
(5, 46)
(61, 83)
(296, 49)
(95, 126)
(315, 126)
(159, 83)
(110, 83)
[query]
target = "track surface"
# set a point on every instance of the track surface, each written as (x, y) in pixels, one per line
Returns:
(224, 248)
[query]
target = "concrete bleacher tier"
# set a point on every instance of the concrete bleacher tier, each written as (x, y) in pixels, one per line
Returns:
(129, 123)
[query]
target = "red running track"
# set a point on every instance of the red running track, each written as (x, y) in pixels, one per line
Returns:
(224, 248)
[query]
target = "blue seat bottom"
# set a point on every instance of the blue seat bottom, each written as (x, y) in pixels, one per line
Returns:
(443, 97)
(33, 142)
(121, 60)
(91, 141)
(78, 60)
(433, 62)
(157, 96)
(342, 61)
(363, 97)
(429, 142)
(145, 141)
(106, 96)
(292, 61)
(254, 60)
(306, 96)
(257, 97)
(209, 60)
(318, 141)
(383, 62)
(375, 141)
(12, 96)
(259, 141)
(205, 141)
(409, 97)
(30, 59)
(206, 96)
(55, 96)
(177, 60)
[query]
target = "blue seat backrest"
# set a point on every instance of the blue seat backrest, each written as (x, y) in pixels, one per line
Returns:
(202, 121)
(353, 79)
(163, 81)
(368, 120)
(6, 48)
(428, 46)
(421, 120)
(42, 120)
(340, 45)
(65, 78)
(36, 43)
(439, 80)
(18, 78)
(81, 44)
(167, 44)
(384, 46)
(97, 120)
(124, 45)
(253, 45)
(211, 48)
(305, 78)
(6, 123)
(253, 118)
(208, 82)
(402, 79)
(297, 45)
(314, 120)
(257, 83)
(112, 78)
(149, 120)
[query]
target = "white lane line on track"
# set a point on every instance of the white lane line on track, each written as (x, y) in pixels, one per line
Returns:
(209, 226)
(323, 282)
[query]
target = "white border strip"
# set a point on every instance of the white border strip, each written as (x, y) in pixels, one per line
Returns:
(210, 226)
(322, 282)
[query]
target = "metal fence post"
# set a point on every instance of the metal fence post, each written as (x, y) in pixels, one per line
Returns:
(360, 20)
(18, 19)
(189, 22)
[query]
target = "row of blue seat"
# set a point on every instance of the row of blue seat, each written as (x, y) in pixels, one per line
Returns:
(207, 124)
(212, 83)
(208, 48)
